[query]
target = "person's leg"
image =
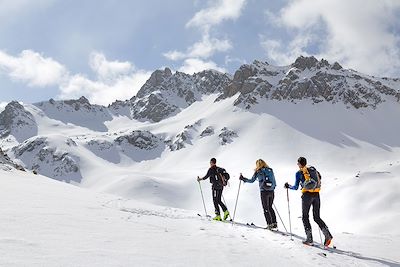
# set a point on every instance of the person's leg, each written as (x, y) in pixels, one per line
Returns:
(316, 204)
(319, 221)
(215, 200)
(219, 196)
(271, 196)
(264, 202)
(306, 204)
(222, 204)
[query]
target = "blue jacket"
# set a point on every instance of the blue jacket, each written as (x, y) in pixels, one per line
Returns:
(299, 179)
(264, 174)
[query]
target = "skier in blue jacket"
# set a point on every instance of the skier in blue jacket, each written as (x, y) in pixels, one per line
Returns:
(267, 184)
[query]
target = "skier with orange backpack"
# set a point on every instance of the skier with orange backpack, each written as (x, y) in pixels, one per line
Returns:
(310, 180)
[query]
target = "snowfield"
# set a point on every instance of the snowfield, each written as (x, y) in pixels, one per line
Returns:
(50, 223)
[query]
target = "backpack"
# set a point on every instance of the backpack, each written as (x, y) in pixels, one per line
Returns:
(315, 179)
(224, 175)
(270, 183)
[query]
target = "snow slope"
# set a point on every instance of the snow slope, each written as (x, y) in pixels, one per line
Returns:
(48, 223)
(358, 151)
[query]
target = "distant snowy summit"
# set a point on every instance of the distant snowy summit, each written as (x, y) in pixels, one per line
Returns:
(308, 78)
(61, 138)
(165, 94)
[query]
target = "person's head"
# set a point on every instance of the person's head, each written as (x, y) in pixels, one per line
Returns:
(260, 164)
(301, 162)
(213, 162)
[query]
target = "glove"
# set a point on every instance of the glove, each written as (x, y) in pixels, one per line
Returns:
(198, 179)
(286, 185)
(241, 177)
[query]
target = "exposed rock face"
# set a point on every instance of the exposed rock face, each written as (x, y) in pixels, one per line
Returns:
(17, 121)
(309, 79)
(207, 132)
(184, 138)
(165, 94)
(6, 164)
(226, 136)
(140, 139)
(39, 155)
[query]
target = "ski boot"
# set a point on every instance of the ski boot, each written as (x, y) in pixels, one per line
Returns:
(309, 239)
(328, 236)
(217, 218)
(226, 214)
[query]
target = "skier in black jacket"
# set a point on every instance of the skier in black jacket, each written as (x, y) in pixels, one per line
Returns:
(217, 186)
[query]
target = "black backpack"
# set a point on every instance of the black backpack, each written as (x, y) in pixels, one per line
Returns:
(315, 179)
(223, 175)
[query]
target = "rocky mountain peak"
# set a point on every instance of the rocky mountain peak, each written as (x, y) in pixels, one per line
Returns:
(17, 121)
(336, 66)
(165, 94)
(156, 79)
(303, 63)
(158, 76)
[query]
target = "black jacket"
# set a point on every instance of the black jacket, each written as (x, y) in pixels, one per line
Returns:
(215, 179)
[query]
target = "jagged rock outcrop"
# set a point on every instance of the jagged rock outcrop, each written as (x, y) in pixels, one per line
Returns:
(207, 132)
(15, 120)
(165, 94)
(44, 157)
(226, 136)
(185, 137)
(140, 139)
(309, 79)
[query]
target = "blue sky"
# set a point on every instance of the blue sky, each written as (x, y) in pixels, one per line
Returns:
(105, 50)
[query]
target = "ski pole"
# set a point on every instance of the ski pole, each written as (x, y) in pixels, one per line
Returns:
(237, 197)
(202, 197)
(320, 237)
(290, 222)
(280, 218)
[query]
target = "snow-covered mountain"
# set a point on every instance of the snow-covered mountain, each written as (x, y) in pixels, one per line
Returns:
(16, 121)
(308, 78)
(165, 94)
(151, 147)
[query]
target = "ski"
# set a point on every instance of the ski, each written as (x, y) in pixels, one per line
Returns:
(320, 246)
(271, 230)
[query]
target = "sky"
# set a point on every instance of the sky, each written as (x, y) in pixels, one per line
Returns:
(106, 50)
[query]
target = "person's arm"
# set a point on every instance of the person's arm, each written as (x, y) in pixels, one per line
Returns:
(297, 183)
(206, 176)
(246, 180)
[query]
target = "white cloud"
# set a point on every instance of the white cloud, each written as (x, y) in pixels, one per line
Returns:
(284, 54)
(174, 55)
(32, 68)
(216, 13)
(205, 48)
(193, 65)
(114, 79)
(198, 54)
(360, 34)
(108, 70)
(99, 92)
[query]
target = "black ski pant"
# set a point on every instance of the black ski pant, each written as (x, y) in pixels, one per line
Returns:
(267, 199)
(311, 199)
(217, 194)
